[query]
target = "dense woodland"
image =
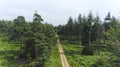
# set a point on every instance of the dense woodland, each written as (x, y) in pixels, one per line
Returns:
(95, 36)
(36, 39)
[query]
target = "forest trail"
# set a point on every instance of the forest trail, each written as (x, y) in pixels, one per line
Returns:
(62, 55)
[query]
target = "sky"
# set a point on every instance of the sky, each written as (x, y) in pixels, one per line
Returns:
(57, 11)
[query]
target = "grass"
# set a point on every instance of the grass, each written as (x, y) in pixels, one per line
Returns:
(8, 53)
(54, 60)
(75, 59)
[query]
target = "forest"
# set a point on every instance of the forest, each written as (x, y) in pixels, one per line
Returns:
(87, 41)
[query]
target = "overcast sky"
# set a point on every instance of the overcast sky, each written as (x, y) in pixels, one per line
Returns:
(57, 11)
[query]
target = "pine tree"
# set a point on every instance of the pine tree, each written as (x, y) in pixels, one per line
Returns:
(69, 29)
(80, 28)
(18, 32)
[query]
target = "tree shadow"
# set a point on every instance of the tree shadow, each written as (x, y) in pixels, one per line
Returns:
(9, 55)
(72, 52)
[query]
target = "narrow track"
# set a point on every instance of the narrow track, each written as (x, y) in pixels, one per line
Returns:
(62, 55)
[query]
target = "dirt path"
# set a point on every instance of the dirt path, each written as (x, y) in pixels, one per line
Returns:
(62, 55)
